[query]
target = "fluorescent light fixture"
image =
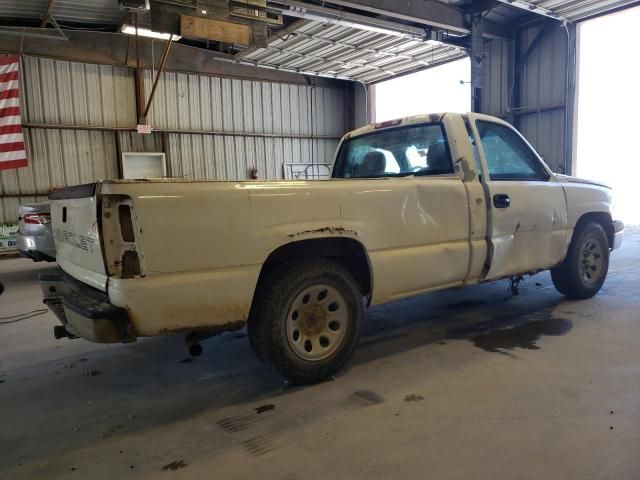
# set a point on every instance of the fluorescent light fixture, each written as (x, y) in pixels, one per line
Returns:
(145, 32)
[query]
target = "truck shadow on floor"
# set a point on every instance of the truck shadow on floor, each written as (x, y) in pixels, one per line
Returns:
(143, 387)
(147, 385)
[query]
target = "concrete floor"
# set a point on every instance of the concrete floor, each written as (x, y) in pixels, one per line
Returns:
(463, 384)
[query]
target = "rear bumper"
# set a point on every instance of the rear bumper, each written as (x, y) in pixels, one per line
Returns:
(83, 311)
(618, 232)
(37, 247)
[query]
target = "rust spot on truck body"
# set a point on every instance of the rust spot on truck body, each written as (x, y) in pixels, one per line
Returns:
(467, 173)
(331, 230)
(207, 318)
(210, 330)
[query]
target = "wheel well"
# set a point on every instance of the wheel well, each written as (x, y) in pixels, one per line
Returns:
(349, 253)
(603, 219)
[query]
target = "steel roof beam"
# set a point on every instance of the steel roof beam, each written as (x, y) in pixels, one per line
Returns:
(116, 49)
(47, 14)
(426, 12)
(353, 20)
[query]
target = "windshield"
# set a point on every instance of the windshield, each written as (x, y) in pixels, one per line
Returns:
(415, 150)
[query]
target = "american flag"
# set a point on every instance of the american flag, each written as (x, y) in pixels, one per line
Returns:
(12, 152)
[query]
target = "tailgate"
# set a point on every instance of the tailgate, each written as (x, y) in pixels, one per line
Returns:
(74, 218)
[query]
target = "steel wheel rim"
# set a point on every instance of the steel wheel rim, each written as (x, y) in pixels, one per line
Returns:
(317, 322)
(591, 260)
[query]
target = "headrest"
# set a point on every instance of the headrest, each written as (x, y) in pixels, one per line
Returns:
(373, 164)
(438, 158)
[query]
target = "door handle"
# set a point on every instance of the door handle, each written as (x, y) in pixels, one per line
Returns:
(501, 200)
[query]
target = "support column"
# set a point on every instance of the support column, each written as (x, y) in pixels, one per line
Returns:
(140, 97)
(477, 54)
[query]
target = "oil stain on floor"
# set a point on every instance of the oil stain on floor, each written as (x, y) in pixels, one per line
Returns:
(175, 465)
(523, 336)
(500, 336)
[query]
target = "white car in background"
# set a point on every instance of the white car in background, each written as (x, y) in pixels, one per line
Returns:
(35, 238)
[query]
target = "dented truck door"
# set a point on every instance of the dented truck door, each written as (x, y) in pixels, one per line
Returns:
(527, 206)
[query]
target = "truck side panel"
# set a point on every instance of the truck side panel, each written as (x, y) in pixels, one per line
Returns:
(415, 231)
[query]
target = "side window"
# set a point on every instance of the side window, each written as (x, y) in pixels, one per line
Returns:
(508, 156)
(417, 149)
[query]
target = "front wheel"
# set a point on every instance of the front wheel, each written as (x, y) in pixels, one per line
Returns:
(585, 267)
(306, 321)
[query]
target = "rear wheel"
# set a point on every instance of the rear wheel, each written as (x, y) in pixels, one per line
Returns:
(306, 321)
(583, 271)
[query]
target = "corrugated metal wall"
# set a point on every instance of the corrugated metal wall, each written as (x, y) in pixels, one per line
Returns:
(56, 158)
(541, 111)
(61, 92)
(245, 123)
(495, 91)
(135, 142)
(542, 86)
(237, 124)
(207, 156)
(66, 93)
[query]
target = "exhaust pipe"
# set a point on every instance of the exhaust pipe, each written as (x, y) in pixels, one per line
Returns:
(195, 350)
(193, 340)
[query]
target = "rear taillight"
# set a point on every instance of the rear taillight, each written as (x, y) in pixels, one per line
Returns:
(37, 218)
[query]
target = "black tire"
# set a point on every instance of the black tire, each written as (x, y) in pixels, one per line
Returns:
(271, 318)
(573, 277)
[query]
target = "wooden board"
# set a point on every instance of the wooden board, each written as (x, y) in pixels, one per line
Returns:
(207, 29)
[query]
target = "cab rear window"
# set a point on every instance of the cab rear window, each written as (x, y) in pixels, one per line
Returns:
(414, 150)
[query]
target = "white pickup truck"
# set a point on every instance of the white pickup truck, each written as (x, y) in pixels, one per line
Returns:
(414, 205)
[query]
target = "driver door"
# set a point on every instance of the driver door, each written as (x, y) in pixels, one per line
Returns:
(527, 206)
